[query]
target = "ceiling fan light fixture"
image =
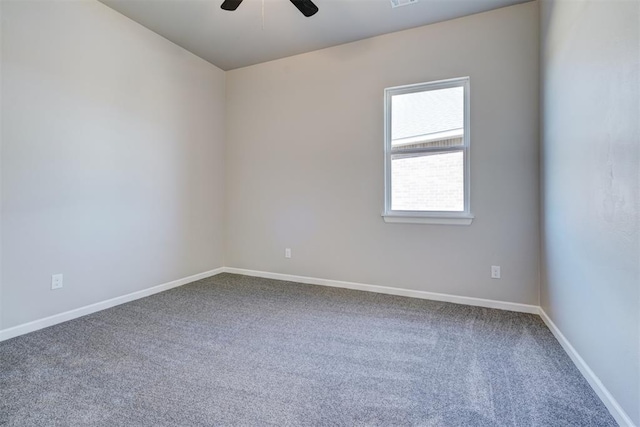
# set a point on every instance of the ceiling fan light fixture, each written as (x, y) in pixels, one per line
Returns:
(306, 7)
(398, 3)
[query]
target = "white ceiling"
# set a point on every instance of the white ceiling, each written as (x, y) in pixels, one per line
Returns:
(236, 39)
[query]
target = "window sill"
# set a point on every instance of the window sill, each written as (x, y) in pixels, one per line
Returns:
(463, 219)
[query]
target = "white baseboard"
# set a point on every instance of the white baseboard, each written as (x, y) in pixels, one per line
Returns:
(83, 311)
(478, 302)
(88, 309)
(609, 401)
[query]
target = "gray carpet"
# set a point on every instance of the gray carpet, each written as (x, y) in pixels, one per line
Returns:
(235, 350)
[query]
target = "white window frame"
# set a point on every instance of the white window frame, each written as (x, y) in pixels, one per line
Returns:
(427, 217)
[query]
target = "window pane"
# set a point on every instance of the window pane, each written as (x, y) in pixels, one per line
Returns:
(433, 118)
(428, 182)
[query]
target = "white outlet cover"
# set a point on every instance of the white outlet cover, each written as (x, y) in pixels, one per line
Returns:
(56, 281)
(287, 253)
(495, 271)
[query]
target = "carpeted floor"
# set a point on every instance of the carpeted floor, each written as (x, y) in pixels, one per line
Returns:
(236, 350)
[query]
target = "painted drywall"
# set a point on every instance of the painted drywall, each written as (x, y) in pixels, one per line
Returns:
(112, 158)
(591, 183)
(305, 161)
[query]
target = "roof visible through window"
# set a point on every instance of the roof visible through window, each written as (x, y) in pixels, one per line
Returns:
(426, 114)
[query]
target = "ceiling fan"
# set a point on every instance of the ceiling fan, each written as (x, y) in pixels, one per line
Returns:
(306, 7)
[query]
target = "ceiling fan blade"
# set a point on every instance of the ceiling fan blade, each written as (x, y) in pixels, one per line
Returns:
(230, 4)
(306, 7)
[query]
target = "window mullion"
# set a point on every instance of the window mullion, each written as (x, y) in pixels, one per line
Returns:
(427, 150)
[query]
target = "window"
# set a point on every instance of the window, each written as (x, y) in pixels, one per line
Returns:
(427, 153)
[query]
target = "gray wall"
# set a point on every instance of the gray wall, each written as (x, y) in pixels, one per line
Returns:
(591, 183)
(112, 158)
(305, 161)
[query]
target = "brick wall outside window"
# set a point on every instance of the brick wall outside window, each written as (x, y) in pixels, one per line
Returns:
(428, 183)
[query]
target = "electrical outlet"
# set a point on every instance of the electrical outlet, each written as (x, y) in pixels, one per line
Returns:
(56, 281)
(287, 253)
(495, 271)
